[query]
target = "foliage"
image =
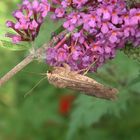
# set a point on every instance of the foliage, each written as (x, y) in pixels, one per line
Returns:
(133, 53)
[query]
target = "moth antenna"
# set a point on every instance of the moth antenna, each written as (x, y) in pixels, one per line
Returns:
(28, 93)
(28, 72)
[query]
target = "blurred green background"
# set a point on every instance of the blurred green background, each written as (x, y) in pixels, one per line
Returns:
(49, 113)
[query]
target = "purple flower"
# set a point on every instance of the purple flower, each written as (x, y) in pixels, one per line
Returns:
(115, 17)
(16, 39)
(79, 3)
(45, 8)
(30, 17)
(33, 25)
(104, 12)
(98, 29)
(115, 36)
(135, 16)
(60, 12)
(61, 55)
(75, 55)
(105, 28)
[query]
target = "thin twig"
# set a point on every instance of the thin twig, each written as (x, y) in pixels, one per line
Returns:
(28, 60)
(16, 69)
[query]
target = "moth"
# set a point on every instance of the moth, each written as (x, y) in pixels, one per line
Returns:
(63, 77)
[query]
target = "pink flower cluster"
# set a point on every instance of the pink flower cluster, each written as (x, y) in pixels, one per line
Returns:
(98, 29)
(29, 17)
(101, 28)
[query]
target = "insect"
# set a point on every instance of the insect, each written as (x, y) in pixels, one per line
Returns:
(63, 77)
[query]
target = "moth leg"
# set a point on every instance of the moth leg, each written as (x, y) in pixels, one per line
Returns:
(82, 70)
(88, 68)
(85, 71)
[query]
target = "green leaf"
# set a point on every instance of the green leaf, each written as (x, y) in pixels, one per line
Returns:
(135, 81)
(132, 52)
(14, 47)
(58, 30)
(89, 110)
(4, 30)
(47, 28)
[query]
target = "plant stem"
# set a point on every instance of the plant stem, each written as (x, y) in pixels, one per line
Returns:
(28, 60)
(16, 69)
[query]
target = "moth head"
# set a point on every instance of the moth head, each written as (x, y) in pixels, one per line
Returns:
(48, 73)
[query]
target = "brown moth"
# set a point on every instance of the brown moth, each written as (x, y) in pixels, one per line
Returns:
(63, 77)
